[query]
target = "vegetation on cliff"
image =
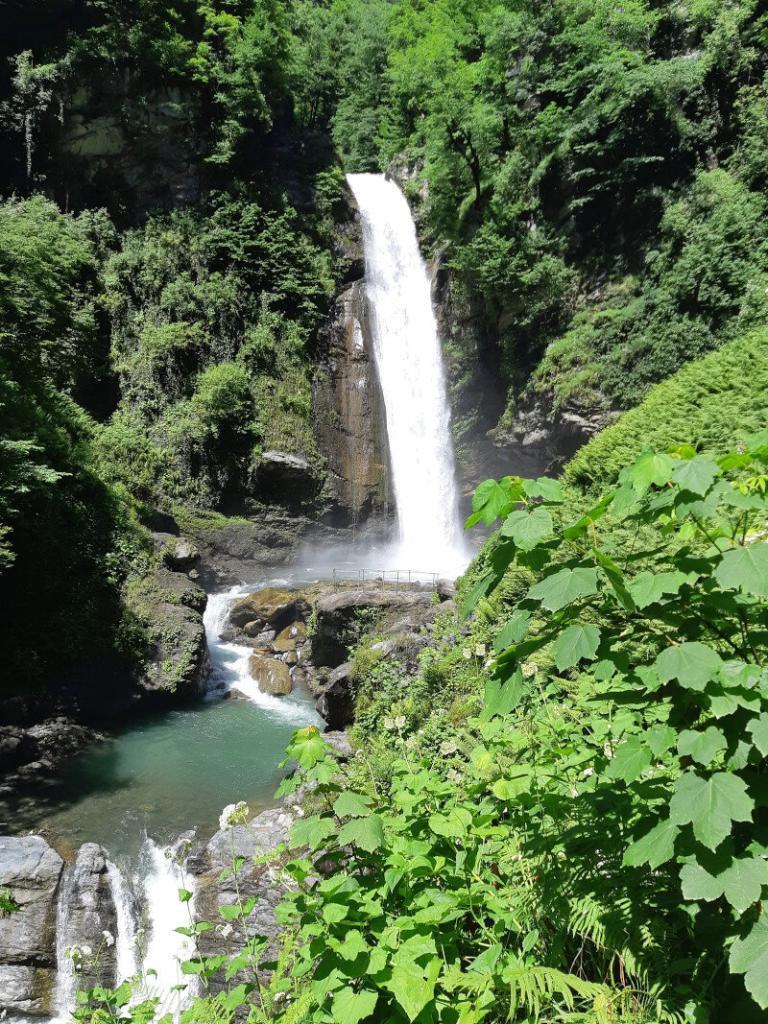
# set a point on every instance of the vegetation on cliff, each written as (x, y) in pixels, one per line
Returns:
(157, 341)
(593, 173)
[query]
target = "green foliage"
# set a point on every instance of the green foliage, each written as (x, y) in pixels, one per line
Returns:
(713, 403)
(594, 175)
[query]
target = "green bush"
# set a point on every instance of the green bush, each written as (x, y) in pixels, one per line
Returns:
(713, 403)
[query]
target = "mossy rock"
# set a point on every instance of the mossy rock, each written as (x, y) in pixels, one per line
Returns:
(273, 676)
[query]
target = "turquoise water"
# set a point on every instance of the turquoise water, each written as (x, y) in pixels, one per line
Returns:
(167, 773)
(164, 775)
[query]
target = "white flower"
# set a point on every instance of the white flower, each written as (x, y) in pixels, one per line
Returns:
(399, 722)
(448, 747)
(109, 938)
(86, 950)
(529, 669)
(453, 775)
(466, 653)
(481, 650)
(388, 724)
(233, 814)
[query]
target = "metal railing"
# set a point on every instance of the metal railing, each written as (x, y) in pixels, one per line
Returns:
(384, 578)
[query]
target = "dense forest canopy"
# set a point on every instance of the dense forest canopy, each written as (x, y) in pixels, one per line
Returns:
(592, 175)
(560, 811)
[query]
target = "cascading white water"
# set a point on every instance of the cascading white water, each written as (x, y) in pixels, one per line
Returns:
(126, 962)
(409, 363)
(66, 979)
(230, 665)
(166, 948)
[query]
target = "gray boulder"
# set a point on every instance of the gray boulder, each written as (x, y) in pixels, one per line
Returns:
(91, 911)
(336, 614)
(32, 871)
(253, 841)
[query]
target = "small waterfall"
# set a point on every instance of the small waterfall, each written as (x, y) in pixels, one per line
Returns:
(125, 939)
(409, 363)
(165, 948)
(229, 665)
(66, 977)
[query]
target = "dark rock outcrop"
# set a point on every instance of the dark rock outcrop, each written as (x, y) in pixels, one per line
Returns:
(336, 614)
(285, 478)
(336, 702)
(32, 872)
(348, 408)
(170, 606)
(542, 439)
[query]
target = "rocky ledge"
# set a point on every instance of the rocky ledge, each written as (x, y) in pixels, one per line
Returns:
(302, 637)
(54, 905)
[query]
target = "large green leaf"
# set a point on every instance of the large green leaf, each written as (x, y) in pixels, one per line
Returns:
(352, 805)
(351, 1007)
(479, 589)
(696, 475)
(749, 956)
(575, 644)
(367, 833)
(543, 487)
(702, 746)
(743, 882)
(528, 528)
(693, 664)
(501, 695)
(758, 730)
(745, 569)
(311, 831)
(655, 847)
(513, 632)
(698, 884)
(412, 986)
(710, 805)
(649, 469)
(649, 587)
(452, 825)
(631, 759)
(563, 587)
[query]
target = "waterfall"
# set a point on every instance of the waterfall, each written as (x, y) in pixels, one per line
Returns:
(409, 364)
(165, 947)
(66, 978)
(125, 912)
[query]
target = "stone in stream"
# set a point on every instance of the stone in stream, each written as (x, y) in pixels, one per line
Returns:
(32, 871)
(268, 607)
(289, 638)
(273, 676)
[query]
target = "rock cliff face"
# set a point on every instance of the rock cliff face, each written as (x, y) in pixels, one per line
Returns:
(348, 407)
(113, 130)
(32, 872)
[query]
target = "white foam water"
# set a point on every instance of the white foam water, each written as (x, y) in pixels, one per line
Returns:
(409, 363)
(230, 665)
(66, 978)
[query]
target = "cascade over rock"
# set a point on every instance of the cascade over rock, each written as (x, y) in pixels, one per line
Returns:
(409, 365)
